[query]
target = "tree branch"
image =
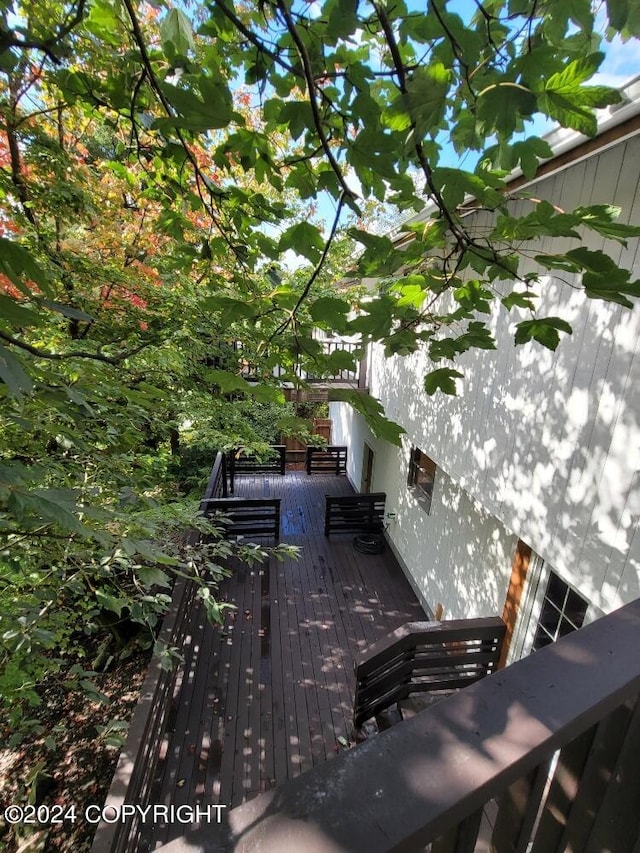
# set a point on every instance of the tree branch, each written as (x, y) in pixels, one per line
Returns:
(64, 356)
(46, 46)
(155, 85)
(255, 41)
(315, 273)
(311, 89)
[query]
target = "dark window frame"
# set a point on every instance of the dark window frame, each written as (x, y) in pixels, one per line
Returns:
(421, 478)
(563, 611)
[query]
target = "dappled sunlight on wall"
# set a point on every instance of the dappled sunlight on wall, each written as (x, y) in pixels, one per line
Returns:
(457, 555)
(546, 442)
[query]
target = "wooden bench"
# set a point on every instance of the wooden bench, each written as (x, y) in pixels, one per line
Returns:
(239, 464)
(355, 513)
(327, 460)
(247, 516)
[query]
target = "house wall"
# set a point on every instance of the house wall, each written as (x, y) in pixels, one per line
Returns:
(458, 555)
(539, 445)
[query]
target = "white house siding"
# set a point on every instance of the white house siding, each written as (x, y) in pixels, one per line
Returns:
(543, 445)
(458, 555)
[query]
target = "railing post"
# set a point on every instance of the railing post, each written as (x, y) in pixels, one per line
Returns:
(224, 476)
(327, 510)
(232, 469)
(362, 372)
(277, 522)
(463, 836)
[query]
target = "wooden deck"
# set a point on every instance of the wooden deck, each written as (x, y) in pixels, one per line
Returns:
(268, 695)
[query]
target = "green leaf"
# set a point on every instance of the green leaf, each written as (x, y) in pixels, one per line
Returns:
(519, 300)
(13, 374)
(341, 360)
(292, 425)
(411, 290)
(343, 19)
(103, 22)
(212, 111)
(93, 693)
(230, 383)
(545, 331)
(566, 100)
(110, 602)
(296, 115)
(373, 413)
(380, 256)
(304, 239)
(51, 505)
(375, 319)
(456, 184)
(16, 314)
(151, 576)
(602, 278)
(502, 107)
(19, 265)
(175, 30)
(67, 311)
(544, 221)
(229, 309)
(576, 72)
(557, 262)
(424, 102)
(8, 61)
(602, 219)
(477, 336)
(474, 297)
(618, 13)
(443, 379)
(331, 311)
(529, 153)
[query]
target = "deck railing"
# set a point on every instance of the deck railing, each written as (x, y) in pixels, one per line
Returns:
(247, 516)
(327, 460)
(138, 761)
(425, 657)
(247, 464)
(355, 377)
(217, 483)
(354, 513)
(137, 765)
(552, 742)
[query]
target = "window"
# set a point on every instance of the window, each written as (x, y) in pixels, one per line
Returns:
(563, 611)
(422, 474)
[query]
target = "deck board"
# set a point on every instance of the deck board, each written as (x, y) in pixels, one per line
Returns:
(267, 695)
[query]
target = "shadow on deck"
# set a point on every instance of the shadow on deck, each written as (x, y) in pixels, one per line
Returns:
(270, 694)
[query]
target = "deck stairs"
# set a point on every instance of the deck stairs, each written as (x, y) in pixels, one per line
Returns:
(420, 663)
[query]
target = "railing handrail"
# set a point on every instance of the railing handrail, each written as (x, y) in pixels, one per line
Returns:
(217, 483)
(414, 782)
(362, 513)
(323, 459)
(247, 516)
(355, 377)
(424, 657)
(135, 771)
(410, 633)
(276, 464)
